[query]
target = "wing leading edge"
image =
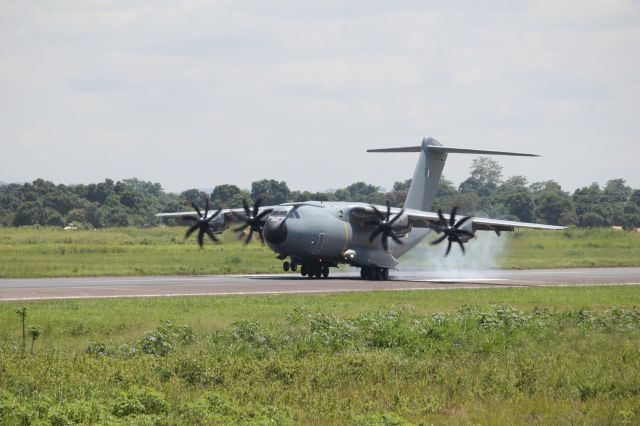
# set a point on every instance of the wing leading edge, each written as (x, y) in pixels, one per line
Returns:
(422, 219)
(229, 213)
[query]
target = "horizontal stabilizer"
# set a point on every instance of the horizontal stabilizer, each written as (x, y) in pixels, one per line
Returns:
(446, 149)
(476, 151)
(405, 149)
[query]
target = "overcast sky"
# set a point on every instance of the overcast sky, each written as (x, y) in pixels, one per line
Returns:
(200, 93)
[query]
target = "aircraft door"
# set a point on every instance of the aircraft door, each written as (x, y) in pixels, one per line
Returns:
(318, 245)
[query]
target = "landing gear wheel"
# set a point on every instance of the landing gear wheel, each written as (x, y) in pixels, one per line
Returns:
(303, 270)
(294, 267)
(363, 273)
(286, 266)
(377, 276)
(318, 271)
(385, 274)
(325, 271)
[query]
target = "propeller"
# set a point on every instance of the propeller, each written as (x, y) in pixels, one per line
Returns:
(251, 220)
(202, 223)
(384, 226)
(451, 230)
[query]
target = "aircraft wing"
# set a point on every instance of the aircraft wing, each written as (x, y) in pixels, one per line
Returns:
(227, 213)
(421, 219)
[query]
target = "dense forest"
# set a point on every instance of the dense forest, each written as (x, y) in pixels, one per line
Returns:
(485, 192)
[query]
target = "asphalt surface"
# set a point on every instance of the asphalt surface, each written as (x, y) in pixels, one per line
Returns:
(110, 287)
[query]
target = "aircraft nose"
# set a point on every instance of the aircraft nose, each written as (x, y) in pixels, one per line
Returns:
(275, 232)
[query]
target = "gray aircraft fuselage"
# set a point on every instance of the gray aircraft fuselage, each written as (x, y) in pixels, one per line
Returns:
(334, 232)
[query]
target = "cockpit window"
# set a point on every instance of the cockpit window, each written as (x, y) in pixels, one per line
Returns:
(279, 213)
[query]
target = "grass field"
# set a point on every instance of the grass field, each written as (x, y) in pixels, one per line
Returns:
(32, 252)
(511, 356)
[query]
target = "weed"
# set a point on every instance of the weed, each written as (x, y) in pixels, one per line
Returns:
(526, 355)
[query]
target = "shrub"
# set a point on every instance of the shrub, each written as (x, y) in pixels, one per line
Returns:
(140, 400)
(77, 412)
(165, 339)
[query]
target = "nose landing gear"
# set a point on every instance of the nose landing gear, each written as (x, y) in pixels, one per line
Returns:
(293, 266)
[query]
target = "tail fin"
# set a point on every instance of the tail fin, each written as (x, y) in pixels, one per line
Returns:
(426, 178)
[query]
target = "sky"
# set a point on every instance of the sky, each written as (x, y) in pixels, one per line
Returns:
(194, 94)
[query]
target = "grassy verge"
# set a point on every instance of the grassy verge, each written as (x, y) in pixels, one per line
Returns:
(515, 356)
(30, 252)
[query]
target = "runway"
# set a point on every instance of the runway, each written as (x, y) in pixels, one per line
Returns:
(112, 287)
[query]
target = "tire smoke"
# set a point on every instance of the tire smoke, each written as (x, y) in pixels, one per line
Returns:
(483, 253)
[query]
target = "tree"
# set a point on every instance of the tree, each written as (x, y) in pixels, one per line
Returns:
(77, 215)
(193, 195)
(550, 201)
(366, 193)
(569, 218)
(446, 196)
(54, 219)
(342, 195)
(615, 191)
(592, 219)
(402, 185)
(29, 213)
(550, 206)
(99, 193)
(271, 190)
(228, 195)
(143, 187)
(94, 215)
(519, 204)
(115, 216)
(132, 199)
(590, 206)
(487, 171)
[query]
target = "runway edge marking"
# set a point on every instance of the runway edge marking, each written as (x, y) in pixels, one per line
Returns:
(302, 292)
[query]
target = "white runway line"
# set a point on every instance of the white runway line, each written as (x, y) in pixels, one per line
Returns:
(458, 280)
(303, 292)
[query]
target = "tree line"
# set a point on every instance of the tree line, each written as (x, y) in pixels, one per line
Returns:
(485, 192)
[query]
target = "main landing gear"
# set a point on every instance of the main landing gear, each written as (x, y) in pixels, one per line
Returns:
(374, 274)
(310, 270)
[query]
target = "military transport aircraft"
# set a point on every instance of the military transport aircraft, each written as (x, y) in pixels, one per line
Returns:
(317, 235)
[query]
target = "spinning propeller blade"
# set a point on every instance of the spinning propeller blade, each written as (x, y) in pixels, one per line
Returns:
(251, 220)
(451, 230)
(384, 226)
(202, 223)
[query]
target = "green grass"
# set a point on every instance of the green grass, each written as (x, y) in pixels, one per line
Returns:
(33, 252)
(572, 248)
(510, 356)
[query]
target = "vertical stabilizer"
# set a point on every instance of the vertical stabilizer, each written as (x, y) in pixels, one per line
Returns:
(426, 178)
